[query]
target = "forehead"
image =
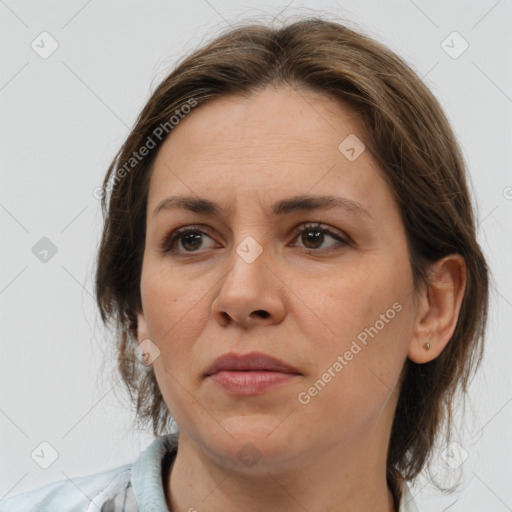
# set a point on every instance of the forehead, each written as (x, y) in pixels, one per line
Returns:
(275, 142)
(267, 121)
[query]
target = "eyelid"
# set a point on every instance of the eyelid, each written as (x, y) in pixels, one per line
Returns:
(326, 228)
(174, 235)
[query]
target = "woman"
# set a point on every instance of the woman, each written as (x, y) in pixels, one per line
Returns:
(294, 276)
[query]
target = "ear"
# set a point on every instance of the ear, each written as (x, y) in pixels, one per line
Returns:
(438, 309)
(142, 328)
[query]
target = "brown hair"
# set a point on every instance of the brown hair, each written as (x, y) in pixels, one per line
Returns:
(408, 135)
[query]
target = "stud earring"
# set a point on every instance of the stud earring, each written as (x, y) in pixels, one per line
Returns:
(426, 346)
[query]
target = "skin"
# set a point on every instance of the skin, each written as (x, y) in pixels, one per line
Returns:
(329, 454)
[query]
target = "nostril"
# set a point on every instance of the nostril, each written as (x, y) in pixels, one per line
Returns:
(262, 313)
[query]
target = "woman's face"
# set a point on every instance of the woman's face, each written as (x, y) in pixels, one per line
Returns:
(328, 290)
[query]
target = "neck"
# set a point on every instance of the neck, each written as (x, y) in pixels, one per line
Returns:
(349, 477)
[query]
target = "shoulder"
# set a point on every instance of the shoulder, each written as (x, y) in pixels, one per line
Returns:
(85, 493)
(116, 490)
(407, 503)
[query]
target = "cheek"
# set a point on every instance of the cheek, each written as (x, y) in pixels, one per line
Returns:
(172, 313)
(364, 318)
(342, 305)
(357, 374)
(174, 316)
(169, 302)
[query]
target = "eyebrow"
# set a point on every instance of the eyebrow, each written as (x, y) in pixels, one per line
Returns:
(282, 207)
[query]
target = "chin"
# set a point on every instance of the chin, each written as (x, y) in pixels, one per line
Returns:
(255, 444)
(261, 428)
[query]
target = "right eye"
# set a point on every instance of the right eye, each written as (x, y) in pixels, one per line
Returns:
(184, 240)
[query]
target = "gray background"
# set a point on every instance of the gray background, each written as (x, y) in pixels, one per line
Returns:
(63, 118)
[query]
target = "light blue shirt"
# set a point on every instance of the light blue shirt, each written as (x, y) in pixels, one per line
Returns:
(136, 487)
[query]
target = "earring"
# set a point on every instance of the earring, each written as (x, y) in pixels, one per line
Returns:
(426, 346)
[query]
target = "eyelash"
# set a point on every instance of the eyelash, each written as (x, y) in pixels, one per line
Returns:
(167, 246)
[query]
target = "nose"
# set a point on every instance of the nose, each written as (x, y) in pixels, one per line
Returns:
(250, 292)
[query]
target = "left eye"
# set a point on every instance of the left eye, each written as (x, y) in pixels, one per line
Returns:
(312, 236)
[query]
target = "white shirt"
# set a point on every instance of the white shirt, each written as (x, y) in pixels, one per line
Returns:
(137, 487)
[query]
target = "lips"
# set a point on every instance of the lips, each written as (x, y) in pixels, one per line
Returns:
(254, 361)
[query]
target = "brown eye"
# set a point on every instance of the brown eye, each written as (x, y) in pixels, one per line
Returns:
(185, 240)
(190, 240)
(313, 236)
